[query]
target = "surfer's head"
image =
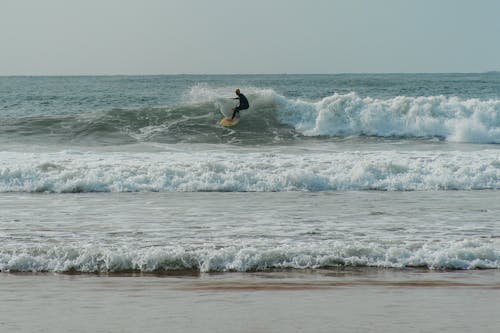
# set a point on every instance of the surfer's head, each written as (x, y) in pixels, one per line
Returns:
(237, 91)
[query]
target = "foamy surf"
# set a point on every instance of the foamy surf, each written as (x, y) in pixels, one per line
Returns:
(91, 258)
(250, 171)
(451, 118)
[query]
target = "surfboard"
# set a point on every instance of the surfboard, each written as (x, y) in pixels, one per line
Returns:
(227, 121)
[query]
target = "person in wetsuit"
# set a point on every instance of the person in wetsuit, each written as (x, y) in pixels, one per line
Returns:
(243, 104)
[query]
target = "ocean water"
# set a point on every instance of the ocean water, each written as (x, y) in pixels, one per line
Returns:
(133, 174)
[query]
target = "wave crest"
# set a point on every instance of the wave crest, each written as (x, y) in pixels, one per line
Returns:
(451, 118)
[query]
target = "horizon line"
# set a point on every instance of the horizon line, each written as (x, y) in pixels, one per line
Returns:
(243, 74)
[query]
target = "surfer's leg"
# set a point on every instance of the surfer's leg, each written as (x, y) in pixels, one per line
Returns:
(236, 111)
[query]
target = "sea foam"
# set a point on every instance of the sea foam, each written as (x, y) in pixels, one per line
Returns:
(188, 171)
(451, 118)
(466, 254)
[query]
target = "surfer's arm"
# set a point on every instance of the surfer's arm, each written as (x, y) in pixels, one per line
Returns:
(238, 105)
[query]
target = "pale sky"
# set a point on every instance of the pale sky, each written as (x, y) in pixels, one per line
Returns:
(73, 37)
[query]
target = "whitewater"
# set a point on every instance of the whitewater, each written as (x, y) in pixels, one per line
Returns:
(133, 174)
(73, 171)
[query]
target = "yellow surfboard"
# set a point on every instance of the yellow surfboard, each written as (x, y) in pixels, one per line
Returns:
(227, 121)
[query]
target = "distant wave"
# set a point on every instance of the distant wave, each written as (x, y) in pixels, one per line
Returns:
(272, 118)
(88, 258)
(74, 171)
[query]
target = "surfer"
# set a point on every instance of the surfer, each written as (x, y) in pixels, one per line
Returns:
(243, 104)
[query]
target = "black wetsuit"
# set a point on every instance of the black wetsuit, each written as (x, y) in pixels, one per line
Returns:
(243, 104)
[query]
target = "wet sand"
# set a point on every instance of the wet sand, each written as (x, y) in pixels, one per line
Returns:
(364, 300)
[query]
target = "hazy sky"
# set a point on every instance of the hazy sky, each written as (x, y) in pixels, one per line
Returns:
(256, 36)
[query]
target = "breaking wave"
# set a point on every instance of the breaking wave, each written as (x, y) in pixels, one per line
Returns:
(273, 117)
(453, 119)
(190, 171)
(466, 254)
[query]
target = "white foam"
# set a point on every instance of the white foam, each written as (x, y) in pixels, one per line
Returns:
(466, 254)
(248, 171)
(460, 120)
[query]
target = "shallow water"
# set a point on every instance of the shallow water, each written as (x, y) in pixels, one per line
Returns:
(219, 232)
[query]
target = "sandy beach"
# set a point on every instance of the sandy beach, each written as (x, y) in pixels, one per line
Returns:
(364, 300)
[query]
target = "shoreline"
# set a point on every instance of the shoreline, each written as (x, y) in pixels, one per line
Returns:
(298, 279)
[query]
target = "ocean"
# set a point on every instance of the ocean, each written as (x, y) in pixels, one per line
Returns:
(343, 191)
